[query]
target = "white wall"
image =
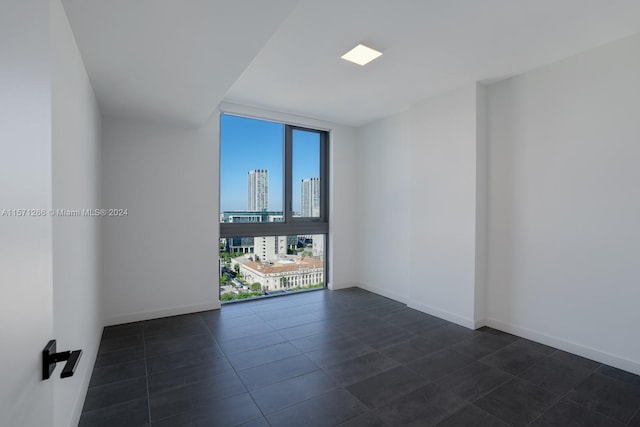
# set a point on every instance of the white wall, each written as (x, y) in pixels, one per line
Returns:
(564, 230)
(383, 174)
(417, 200)
(161, 259)
(76, 240)
(343, 208)
(26, 301)
(443, 206)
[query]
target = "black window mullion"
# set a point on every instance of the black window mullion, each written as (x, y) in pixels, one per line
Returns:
(288, 171)
(324, 176)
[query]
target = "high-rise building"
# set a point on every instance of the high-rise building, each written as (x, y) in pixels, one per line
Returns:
(310, 190)
(258, 190)
(270, 248)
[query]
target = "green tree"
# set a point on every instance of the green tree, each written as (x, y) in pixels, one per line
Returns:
(256, 287)
(227, 297)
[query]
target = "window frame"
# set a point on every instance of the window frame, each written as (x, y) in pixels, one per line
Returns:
(291, 225)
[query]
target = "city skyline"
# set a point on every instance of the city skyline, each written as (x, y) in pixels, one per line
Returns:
(250, 144)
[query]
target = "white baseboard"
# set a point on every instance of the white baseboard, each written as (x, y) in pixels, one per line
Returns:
(165, 312)
(566, 345)
(338, 286)
(442, 314)
(384, 292)
(479, 323)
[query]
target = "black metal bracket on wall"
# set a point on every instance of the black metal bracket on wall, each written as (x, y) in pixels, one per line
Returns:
(50, 358)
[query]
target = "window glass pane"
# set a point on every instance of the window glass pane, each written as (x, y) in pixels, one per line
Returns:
(252, 267)
(306, 174)
(251, 165)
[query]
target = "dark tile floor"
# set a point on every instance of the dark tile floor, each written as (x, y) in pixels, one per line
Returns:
(344, 358)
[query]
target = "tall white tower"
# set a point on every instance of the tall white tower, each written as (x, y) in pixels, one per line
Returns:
(310, 189)
(258, 190)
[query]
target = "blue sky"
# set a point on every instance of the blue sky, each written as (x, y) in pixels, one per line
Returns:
(248, 144)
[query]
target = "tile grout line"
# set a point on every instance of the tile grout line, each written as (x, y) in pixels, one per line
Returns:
(319, 368)
(637, 412)
(235, 371)
(551, 406)
(146, 372)
(355, 334)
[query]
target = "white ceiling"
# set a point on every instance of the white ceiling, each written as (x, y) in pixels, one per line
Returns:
(176, 60)
(169, 60)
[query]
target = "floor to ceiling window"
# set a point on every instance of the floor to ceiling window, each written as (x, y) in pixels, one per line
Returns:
(273, 208)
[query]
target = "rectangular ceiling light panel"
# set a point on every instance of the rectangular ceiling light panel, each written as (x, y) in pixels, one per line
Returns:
(361, 55)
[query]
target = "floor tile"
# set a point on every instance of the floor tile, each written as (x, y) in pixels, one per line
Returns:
(279, 313)
(569, 414)
(575, 360)
(368, 419)
(120, 356)
(385, 336)
(304, 330)
(180, 377)
(437, 365)
(411, 349)
(191, 397)
(425, 406)
(289, 322)
(314, 342)
(186, 358)
(118, 372)
(409, 316)
(114, 393)
(472, 416)
(258, 422)
(120, 343)
(157, 346)
(343, 358)
(620, 375)
(251, 343)
(384, 308)
(359, 368)
(176, 326)
(338, 351)
(423, 325)
(558, 375)
(123, 330)
(448, 334)
(133, 413)
(607, 396)
(326, 410)
(473, 380)
(260, 356)
(483, 344)
(286, 393)
(518, 356)
(238, 329)
(516, 402)
(230, 411)
(386, 386)
(279, 370)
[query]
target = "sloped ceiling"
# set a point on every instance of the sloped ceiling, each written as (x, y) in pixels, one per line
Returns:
(169, 60)
(174, 61)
